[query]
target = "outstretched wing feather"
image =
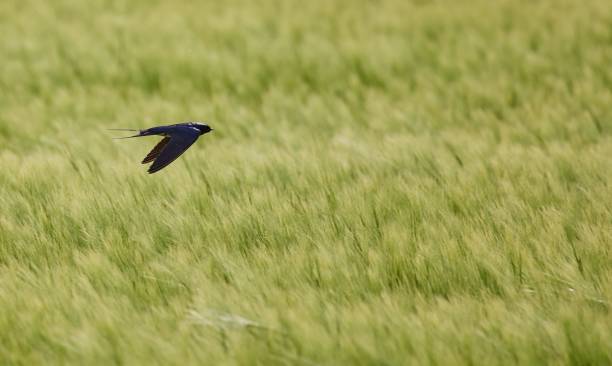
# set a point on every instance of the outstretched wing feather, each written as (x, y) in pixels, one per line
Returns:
(156, 150)
(177, 145)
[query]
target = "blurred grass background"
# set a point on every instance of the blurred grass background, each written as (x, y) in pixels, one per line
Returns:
(388, 182)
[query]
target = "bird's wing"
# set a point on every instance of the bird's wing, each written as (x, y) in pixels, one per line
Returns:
(156, 150)
(179, 142)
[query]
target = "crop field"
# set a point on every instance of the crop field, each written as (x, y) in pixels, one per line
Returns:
(388, 183)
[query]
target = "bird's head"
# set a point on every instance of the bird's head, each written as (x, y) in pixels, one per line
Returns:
(203, 127)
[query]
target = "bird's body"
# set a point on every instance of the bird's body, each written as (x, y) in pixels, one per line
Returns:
(177, 139)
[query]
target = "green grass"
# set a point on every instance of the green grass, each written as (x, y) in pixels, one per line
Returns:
(388, 182)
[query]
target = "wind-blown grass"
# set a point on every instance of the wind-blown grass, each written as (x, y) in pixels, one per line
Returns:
(388, 182)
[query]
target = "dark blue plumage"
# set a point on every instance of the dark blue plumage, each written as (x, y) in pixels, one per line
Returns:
(177, 139)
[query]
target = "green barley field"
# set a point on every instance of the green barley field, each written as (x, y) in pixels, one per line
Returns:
(388, 183)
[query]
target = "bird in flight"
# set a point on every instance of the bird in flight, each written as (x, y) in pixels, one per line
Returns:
(177, 139)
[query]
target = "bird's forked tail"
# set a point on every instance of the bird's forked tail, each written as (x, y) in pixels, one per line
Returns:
(126, 129)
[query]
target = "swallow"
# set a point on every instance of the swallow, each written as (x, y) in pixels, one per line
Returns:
(177, 139)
